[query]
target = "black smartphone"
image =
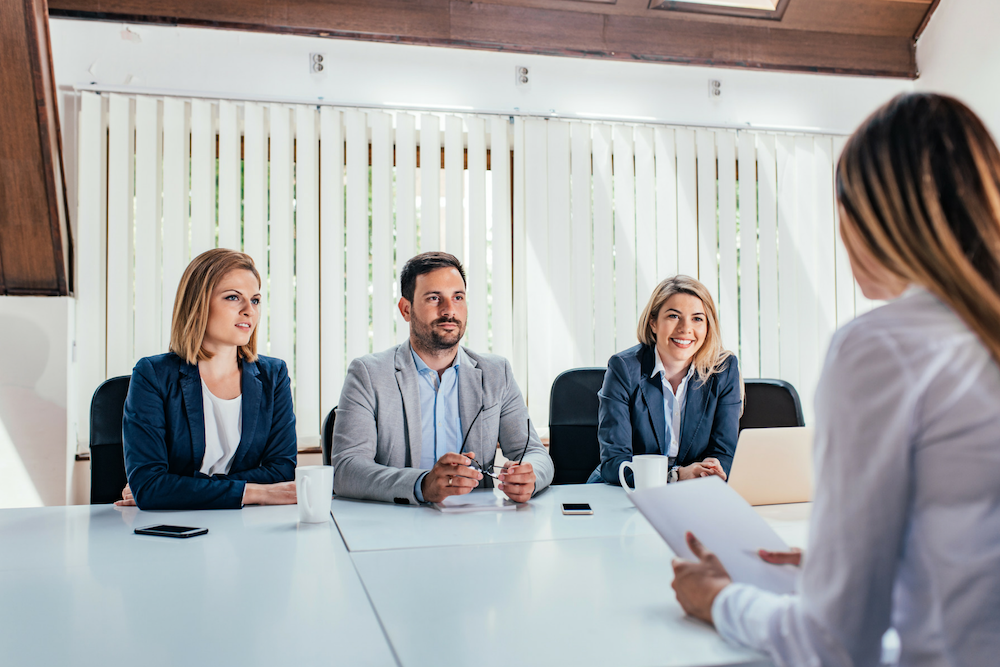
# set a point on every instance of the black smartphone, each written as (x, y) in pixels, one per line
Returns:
(164, 530)
(576, 508)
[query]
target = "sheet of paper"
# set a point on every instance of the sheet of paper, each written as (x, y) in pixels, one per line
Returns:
(485, 500)
(725, 523)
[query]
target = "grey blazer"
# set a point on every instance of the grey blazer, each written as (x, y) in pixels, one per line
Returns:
(377, 436)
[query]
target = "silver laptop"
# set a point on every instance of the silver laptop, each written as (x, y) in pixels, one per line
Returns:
(773, 465)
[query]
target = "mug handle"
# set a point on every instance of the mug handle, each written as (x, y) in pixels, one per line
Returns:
(621, 475)
(305, 494)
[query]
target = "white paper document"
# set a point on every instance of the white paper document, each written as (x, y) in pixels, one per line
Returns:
(725, 523)
(484, 500)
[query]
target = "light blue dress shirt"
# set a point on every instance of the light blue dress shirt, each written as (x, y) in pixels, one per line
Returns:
(440, 422)
(673, 405)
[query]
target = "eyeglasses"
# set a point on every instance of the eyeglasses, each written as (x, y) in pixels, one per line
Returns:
(490, 470)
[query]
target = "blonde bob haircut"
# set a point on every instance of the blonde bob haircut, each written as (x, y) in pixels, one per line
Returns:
(919, 190)
(710, 358)
(194, 294)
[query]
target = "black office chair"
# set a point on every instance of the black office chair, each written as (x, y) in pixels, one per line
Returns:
(573, 442)
(107, 456)
(770, 404)
(327, 444)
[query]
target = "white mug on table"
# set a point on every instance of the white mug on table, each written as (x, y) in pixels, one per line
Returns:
(313, 490)
(648, 471)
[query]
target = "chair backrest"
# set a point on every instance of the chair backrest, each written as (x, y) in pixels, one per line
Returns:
(573, 443)
(327, 444)
(107, 456)
(773, 466)
(771, 404)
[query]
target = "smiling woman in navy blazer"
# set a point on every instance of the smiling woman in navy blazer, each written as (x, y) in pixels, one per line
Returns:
(677, 393)
(209, 425)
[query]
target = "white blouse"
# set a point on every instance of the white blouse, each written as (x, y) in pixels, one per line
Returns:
(223, 429)
(905, 526)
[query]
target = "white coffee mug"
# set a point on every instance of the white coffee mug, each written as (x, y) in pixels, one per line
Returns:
(648, 471)
(314, 489)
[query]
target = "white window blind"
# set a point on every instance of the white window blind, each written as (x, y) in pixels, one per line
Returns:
(564, 228)
(329, 202)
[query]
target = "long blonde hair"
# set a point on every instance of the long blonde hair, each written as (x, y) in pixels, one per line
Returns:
(919, 189)
(711, 358)
(194, 294)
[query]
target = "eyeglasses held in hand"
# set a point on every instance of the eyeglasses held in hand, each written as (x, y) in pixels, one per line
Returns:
(490, 470)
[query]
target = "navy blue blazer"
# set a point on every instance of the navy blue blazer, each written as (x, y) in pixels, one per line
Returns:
(164, 435)
(631, 418)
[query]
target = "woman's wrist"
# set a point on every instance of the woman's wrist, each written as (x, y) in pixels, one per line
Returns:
(251, 494)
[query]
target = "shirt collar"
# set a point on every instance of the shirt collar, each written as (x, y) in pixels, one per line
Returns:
(658, 367)
(421, 366)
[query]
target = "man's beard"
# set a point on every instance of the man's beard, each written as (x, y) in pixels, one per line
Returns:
(432, 339)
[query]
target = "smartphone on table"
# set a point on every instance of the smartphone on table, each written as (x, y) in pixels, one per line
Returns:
(164, 530)
(576, 508)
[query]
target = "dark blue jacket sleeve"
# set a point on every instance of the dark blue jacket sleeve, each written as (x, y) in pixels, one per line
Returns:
(614, 420)
(277, 462)
(144, 433)
(726, 425)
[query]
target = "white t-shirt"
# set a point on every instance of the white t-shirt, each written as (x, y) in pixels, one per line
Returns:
(223, 428)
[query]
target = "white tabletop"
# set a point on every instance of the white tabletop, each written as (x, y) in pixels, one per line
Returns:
(79, 588)
(370, 526)
(591, 601)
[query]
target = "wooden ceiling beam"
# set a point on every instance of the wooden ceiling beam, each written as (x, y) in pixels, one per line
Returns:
(524, 27)
(35, 246)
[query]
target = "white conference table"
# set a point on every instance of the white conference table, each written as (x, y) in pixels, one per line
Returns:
(78, 588)
(384, 585)
(533, 586)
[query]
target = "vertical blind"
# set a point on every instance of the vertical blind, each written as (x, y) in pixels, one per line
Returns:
(564, 228)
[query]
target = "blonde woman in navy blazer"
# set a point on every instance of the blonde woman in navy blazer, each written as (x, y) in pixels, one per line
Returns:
(680, 353)
(177, 456)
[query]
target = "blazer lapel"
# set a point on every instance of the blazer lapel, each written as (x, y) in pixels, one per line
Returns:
(195, 409)
(252, 390)
(694, 413)
(406, 378)
(470, 401)
(652, 396)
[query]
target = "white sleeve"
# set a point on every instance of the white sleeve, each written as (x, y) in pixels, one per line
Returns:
(865, 411)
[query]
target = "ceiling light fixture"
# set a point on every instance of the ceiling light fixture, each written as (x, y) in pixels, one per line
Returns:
(763, 9)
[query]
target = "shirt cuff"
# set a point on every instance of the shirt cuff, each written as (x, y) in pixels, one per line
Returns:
(416, 487)
(243, 498)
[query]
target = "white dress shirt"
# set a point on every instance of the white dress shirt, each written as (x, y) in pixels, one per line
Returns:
(673, 404)
(905, 526)
(223, 429)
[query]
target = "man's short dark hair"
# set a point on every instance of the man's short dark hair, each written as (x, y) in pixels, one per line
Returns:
(423, 263)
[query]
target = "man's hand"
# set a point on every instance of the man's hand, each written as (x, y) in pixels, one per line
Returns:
(282, 493)
(706, 468)
(791, 557)
(697, 584)
(517, 481)
(450, 476)
(127, 499)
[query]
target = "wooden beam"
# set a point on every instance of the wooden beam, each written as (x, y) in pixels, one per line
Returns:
(34, 235)
(581, 29)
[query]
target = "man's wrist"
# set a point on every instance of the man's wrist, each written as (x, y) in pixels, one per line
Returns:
(673, 475)
(418, 490)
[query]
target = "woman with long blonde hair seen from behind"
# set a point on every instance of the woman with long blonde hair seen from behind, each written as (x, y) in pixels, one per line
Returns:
(209, 425)
(677, 393)
(906, 518)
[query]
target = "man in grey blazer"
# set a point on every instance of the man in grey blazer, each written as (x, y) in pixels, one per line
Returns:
(421, 421)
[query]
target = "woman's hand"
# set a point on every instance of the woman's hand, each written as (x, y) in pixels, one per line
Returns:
(791, 557)
(697, 584)
(282, 493)
(706, 468)
(127, 499)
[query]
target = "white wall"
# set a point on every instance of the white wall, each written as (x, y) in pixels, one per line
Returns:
(959, 54)
(36, 450)
(198, 61)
